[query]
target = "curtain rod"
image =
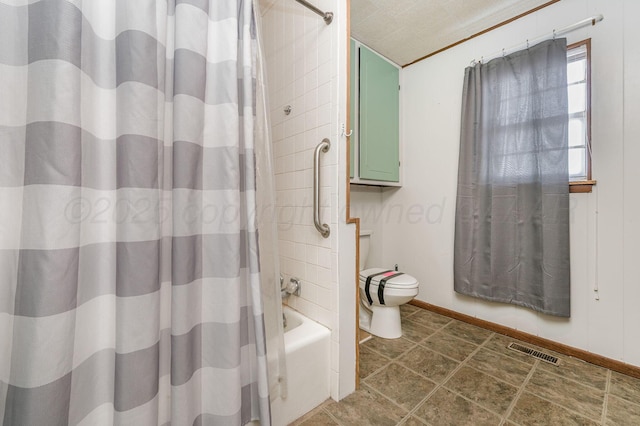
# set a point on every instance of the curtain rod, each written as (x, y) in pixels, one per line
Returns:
(327, 16)
(585, 22)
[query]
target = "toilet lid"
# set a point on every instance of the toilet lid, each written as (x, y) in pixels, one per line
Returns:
(401, 281)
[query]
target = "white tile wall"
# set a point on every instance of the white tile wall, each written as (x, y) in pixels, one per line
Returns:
(303, 70)
(297, 44)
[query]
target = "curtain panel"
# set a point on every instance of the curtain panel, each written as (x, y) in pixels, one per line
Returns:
(512, 210)
(129, 267)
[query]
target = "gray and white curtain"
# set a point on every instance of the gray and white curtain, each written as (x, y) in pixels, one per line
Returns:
(512, 211)
(129, 277)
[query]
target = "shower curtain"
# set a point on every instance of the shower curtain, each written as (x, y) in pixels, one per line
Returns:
(268, 235)
(129, 262)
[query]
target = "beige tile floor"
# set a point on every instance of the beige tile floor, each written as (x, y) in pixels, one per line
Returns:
(446, 372)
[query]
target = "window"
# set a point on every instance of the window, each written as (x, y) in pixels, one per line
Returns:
(578, 81)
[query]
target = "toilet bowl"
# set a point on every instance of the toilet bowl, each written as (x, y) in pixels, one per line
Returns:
(382, 291)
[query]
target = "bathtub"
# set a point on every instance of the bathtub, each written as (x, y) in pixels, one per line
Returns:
(307, 347)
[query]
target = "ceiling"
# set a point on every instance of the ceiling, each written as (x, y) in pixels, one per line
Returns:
(407, 30)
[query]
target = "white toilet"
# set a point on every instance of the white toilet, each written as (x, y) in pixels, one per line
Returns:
(380, 307)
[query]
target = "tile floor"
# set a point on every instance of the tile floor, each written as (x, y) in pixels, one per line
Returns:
(446, 372)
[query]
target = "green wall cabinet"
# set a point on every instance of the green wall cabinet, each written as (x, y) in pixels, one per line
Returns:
(375, 105)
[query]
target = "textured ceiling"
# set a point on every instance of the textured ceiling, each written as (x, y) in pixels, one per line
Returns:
(407, 30)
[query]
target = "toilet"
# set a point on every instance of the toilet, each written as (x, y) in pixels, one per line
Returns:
(380, 307)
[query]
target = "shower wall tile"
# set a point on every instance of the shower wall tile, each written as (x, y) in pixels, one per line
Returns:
(324, 276)
(324, 256)
(300, 252)
(312, 256)
(311, 271)
(302, 72)
(311, 99)
(324, 298)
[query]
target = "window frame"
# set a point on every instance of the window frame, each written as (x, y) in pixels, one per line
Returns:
(582, 186)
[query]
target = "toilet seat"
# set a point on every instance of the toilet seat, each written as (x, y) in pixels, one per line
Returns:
(401, 282)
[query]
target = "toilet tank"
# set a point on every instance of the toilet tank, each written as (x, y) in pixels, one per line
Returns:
(365, 241)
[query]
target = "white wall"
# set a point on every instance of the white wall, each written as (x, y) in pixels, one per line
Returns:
(366, 204)
(605, 229)
(306, 68)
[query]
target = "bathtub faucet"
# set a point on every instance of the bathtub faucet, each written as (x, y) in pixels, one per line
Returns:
(292, 287)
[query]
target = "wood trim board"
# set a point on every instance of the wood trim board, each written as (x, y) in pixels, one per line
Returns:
(347, 182)
(611, 364)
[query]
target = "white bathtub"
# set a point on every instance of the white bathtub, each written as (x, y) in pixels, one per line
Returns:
(307, 346)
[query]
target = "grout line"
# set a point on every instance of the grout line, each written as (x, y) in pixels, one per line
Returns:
(410, 313)
(438, 385)
(414, 344)
(457, 338)
(555, 403)
(435, 328)
(493, 376)
(376, 371)
(575, 380)
(519, 393)
(388, 398)
(469, 366)
(605, 403)
(446, 378)
(563, 407)
(432, 329)
(477, 404)
(332, 417)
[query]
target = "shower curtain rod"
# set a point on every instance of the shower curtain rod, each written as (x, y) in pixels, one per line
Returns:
(585, 22)
(327, 16)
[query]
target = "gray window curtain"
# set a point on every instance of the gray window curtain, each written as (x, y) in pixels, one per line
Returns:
(512, 209)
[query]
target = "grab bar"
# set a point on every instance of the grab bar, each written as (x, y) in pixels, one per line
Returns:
(323, 146)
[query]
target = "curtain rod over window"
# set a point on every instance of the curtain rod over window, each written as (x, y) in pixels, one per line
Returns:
(327, 16)
(530, 42)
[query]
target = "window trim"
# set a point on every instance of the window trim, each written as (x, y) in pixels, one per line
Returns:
(585, 186)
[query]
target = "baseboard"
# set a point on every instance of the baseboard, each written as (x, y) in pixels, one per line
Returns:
(611, 364)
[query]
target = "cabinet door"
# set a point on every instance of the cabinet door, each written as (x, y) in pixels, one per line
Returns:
(379, 118)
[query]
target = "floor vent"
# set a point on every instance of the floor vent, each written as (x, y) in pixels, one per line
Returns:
(540, 355)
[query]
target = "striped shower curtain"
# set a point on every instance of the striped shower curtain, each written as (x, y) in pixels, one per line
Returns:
(129, 278)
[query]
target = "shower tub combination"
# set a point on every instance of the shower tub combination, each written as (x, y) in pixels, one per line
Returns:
(307, 347)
